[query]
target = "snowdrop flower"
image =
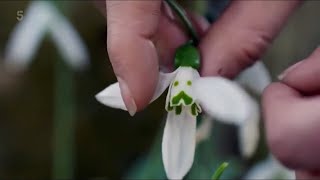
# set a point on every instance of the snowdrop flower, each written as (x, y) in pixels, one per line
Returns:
(270, 168)
(188, 95)
(43, 17)
(255, 79)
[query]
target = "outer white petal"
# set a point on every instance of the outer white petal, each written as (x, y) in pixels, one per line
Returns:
(255, 78)
(111, 96)
(249, 133)
(178, 144)
(68, 41)
(223, 99)
(163, 82)
(269, 169)
(26, 36)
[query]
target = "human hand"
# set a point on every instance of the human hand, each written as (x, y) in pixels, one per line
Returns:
(292, 117)
(143, 35)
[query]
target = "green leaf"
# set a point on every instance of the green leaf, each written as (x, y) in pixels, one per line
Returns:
(187, 55)
(219, 171)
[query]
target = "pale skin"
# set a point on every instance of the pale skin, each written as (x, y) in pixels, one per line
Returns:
(143, 36)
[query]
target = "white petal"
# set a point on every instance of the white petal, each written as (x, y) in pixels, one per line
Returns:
(27, 35)
(255, 78)
(249, 134)
(68, 41)
(263, 170)
(178, 144)
(269, 169)
(111, 96)
(163, 82)
(223, 99)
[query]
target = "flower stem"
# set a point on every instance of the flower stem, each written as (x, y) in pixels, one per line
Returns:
(219, 171)
(64, 122)
(64, 117)
(183, 15)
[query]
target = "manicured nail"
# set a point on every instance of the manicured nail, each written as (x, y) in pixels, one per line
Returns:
(127, 97)
(285, 72)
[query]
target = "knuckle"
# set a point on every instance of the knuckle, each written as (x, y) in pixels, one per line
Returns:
(255, 42)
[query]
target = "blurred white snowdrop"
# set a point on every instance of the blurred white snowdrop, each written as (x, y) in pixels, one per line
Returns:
(188, 94)
(255, 79)
(42, 18)
(269, 168)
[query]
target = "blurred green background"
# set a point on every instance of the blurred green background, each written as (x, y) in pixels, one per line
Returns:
(109, 143)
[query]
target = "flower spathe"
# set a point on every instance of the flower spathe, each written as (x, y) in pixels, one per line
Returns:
(188, 94)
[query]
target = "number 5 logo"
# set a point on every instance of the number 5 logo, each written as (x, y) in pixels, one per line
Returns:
(19, 15)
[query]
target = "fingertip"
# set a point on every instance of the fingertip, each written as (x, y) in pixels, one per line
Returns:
(290, 122)
(276, 90)
(131, 25)
(136, 91)
(304, 75)
(135, 63)
(276, 99)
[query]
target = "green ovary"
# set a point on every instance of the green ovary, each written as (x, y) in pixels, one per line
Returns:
(182, 96)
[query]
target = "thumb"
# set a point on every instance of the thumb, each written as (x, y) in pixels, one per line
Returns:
(131, 25)
(291, 113)
(304, 75)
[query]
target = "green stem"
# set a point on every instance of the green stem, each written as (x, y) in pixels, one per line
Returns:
(64, 116)
(183, 15)
(219, 171)
(63, 127)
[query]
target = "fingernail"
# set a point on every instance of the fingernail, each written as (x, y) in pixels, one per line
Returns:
(285, 72)
(127, 97)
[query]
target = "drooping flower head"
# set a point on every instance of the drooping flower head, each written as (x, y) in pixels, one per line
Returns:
(188, 95)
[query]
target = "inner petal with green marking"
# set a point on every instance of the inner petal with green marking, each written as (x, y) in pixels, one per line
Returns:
(181, 97)
(195, 109)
